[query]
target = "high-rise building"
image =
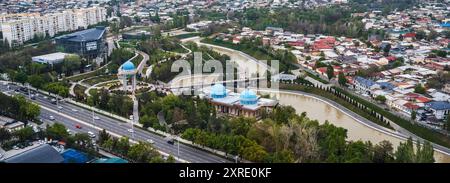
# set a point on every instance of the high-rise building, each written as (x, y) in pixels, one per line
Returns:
(19, 29)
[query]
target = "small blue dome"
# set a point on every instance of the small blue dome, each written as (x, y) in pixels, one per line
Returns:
(248, 97)
(218, 91)
(128, 66)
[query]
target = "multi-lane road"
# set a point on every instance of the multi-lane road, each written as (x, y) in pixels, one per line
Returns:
(71, 115)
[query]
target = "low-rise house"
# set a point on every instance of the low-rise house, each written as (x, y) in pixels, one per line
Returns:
(440, 109)
(365, 86)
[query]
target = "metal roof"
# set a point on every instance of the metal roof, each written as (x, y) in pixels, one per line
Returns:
(85, 35)
(439, 105)
(41, 154)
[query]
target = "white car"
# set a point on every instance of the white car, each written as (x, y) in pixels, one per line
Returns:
(92, 135)
(131, 130)
(52, 118)
(150, 141)
(69, 131)
(74, 110)
(96, 117)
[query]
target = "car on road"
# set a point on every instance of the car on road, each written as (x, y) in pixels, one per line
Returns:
(53, 101)
(91, 134)
(131, 130)
(78, 126)
(69, 131)
(45, 97)
(150, 141)
(96, 117)
(60, 107)
(33, 97)
(52, 118)
(171, 140)
(74, 110)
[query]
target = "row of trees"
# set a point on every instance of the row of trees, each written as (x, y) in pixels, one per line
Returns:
(117, 103)
(18, 108)
(141, 152)
(256, 49)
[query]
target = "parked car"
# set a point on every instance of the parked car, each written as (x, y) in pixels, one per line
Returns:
(52, 118)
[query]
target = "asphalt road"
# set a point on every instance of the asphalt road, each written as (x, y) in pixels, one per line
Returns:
(70, 115)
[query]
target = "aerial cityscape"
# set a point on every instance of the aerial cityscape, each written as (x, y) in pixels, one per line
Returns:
(225, 81)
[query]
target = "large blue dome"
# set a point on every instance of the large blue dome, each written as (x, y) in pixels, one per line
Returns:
(218, 91)
(128, 66)
(248, 97)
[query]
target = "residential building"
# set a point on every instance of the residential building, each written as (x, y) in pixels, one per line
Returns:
(24, 28)
(440, 109)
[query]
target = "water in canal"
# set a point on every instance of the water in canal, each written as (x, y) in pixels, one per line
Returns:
(321, 111)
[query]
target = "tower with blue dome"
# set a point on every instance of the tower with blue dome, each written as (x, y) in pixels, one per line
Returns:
(127, 73)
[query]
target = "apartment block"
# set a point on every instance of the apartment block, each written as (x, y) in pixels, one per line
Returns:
(18, 29)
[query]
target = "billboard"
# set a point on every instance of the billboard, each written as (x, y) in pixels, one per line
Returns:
(91, 46)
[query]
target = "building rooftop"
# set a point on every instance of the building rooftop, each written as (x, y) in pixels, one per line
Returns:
(40, 154)
(85, 35)
(439, 105)
(111, 160)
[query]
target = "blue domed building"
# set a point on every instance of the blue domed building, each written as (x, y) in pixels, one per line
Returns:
(218, 91)
(248, 97)
(126, 72)
(247, 103)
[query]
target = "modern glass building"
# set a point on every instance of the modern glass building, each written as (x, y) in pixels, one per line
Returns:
(89, 43)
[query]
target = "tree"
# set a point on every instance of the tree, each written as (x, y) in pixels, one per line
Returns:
(330, 71)
(387, 49)
(142, 152)
(24, 134)
(420, 89)
(57, 131)
(413, 115)
(5, 136)
(425, 153)
(380, 98)
(420, 35)
(103, 136)
(122, 145)
(447, 125)
(383, 152)
(21, 77)
(70, 63)
(405, 152)
(341, 79)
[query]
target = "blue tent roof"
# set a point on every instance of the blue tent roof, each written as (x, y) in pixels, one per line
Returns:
(447, 25)
(364, 81)
(128, 66)
(439, 105)
(73, 156)
(85, 35)
(218, 91)
(386, 85)
(248, 97)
